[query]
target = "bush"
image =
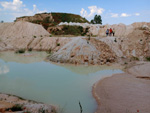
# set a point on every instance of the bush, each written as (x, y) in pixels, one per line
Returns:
(30, 49)
(135, 58)
(148, 58)
(58, 44)
(20, 51)
(70, 30)
(34, 36)
(16, 107)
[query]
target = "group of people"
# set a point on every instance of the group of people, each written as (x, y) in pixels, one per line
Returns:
(110, 31)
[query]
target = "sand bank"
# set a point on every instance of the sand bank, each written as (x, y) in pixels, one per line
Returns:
(125, 93)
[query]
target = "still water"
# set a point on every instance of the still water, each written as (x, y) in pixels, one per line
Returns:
(29, 76)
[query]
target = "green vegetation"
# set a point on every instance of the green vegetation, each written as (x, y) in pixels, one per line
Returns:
(66, 17)
(29, 49)
(125, 63)
(49, 51)
(71, 30)
(58, 44)
(34, 36)
(148, 58)
(20, 51)
(97, 20)
(46, 20)
(16, 107)
(135, 58)
(27, 112)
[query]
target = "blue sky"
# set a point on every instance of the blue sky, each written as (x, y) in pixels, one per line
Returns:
(112, 11)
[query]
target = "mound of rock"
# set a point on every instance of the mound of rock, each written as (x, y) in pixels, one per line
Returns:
(82, 51)
(21, 29)
(25, 35)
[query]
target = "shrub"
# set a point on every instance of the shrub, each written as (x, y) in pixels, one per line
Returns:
(125, 63)
(20, 51)
(58, 44)
(70, 30)
(135, 58)
(148, 58)
(16, 107)
(30, 49)
(34, 36)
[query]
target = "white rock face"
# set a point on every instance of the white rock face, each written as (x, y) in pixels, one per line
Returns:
(76, 51)
(93, 28)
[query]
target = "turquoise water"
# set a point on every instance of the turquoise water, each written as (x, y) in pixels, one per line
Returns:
(30, 77)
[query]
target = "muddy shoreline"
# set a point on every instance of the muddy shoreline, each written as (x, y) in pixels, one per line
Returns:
(126, 92)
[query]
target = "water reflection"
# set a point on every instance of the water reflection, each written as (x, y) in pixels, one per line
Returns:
(4, 69)
(28, 57)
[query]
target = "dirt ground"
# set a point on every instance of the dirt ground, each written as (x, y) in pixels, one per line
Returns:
(124, 93)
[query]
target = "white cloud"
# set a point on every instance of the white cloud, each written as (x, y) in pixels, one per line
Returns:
(114, 15)
(125, 15)
(16, 8)
(93, 10)
(137, 14)
(83, 12)
(15, 5)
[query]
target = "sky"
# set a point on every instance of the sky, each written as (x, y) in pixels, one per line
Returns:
(111, 11)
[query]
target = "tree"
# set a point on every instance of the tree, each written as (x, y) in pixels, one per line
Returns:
(97, 20)
(2, 21)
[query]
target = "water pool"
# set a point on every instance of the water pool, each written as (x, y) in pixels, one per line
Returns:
(30, 77)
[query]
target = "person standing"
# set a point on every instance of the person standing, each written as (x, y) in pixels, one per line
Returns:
(107, 32)
(110, 31)
(113, 31)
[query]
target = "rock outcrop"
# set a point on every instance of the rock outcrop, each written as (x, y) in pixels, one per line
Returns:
(8, 103)
(82, 51)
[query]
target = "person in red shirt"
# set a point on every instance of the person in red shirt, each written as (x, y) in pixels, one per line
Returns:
(110, 31)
